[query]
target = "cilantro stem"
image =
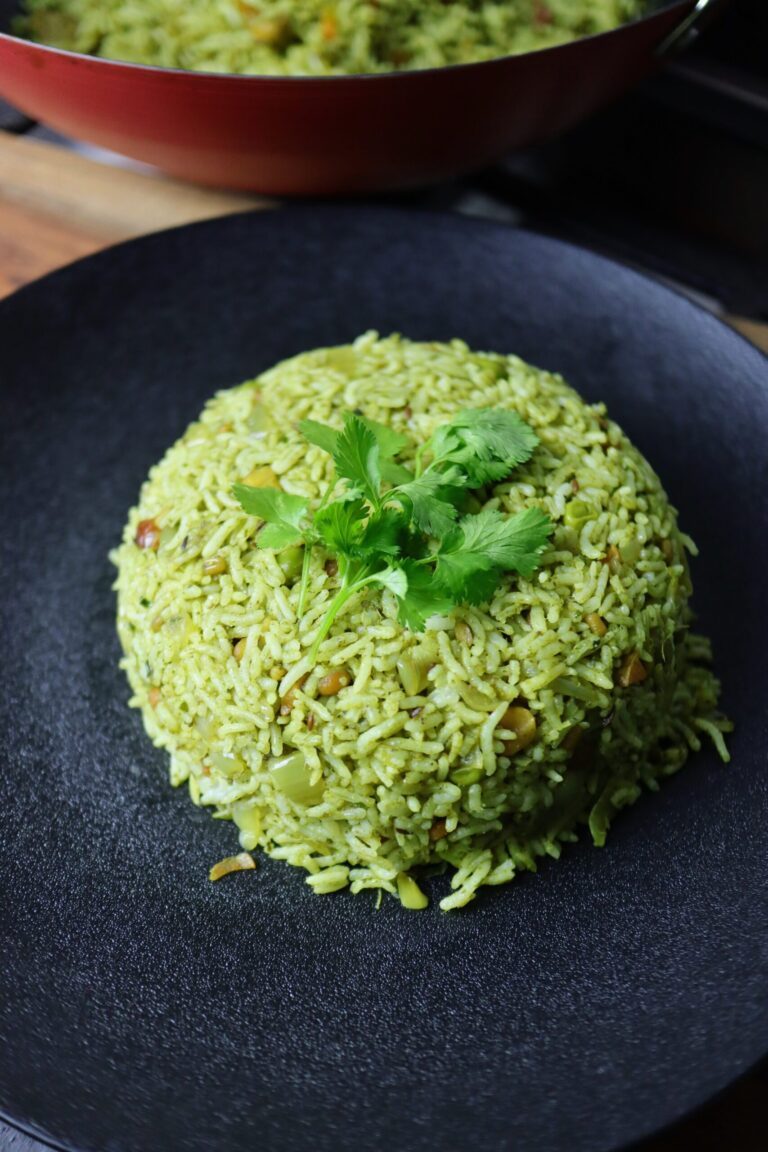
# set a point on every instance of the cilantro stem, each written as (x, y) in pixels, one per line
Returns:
(417, 459)
(304, 586)
(327, 494)
(334, 608)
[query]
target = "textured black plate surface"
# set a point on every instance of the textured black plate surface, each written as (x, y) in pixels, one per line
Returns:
(143, 1009)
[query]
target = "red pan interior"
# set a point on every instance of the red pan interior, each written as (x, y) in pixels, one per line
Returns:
(329, 135)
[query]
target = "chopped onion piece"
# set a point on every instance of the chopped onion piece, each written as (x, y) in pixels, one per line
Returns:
(243, 862)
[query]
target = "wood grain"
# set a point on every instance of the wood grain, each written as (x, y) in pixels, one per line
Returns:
(757, 333)
(32, 244)
(56, 206)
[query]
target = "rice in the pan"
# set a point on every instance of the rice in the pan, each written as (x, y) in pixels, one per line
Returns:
(315, 37)
(412, 760)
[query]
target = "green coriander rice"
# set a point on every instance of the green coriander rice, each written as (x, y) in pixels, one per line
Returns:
(481, 743)
(314, 37)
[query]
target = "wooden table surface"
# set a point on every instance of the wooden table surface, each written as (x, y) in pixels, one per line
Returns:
(56, 206)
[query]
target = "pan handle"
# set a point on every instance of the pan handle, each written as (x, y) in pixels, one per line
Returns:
(687, 30)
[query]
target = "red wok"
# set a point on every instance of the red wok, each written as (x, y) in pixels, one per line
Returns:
(332, 135)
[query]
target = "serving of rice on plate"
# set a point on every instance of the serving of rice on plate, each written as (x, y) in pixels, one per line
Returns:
(379, 752)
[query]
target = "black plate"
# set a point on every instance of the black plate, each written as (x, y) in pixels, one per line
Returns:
(142, 1008)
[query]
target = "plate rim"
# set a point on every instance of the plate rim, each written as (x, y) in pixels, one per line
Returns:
(313, 207)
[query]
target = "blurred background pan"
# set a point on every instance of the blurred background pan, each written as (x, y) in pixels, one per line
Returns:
(335, 135)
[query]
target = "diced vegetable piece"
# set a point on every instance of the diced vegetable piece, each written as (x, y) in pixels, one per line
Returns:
(214, 566)
(577, 513)
(291, 776)
(243, 862)
(288, 701)
(205, 727)
(476, 699)
(148, 535)
(613, 559)
(596, 623)
(247, 818)
(333, 683)
(329, 28)
(290, 561)
(154, 697)
(227, 764)
(262, 477)
(579, 689)
(413, 674)
(631, 551)
(463, 633)
(342, 359)
(518, 729)
(411, 896)
(631, 671)
(167, 534)
(276, 32)
(259, 420)
(438, 830)
(468, 775)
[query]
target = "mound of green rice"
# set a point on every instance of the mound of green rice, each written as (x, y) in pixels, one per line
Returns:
(409, 762)
(314, 37)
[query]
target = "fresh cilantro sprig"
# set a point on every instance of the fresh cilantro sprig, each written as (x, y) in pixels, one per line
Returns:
(405, 530)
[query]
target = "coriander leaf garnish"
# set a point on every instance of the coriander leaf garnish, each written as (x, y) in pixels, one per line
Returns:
(402, 530)
(487, 443)
(271, 504)
(394, 579)
(357, 458)
(503, 541)
(282, 513)
(429, 496)
(279, 536)
(340, 525)
(490, 543)
(321, 435)
(394, 473)
(391, 443)
(384, 533)
(494, 432)
(423, 598)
